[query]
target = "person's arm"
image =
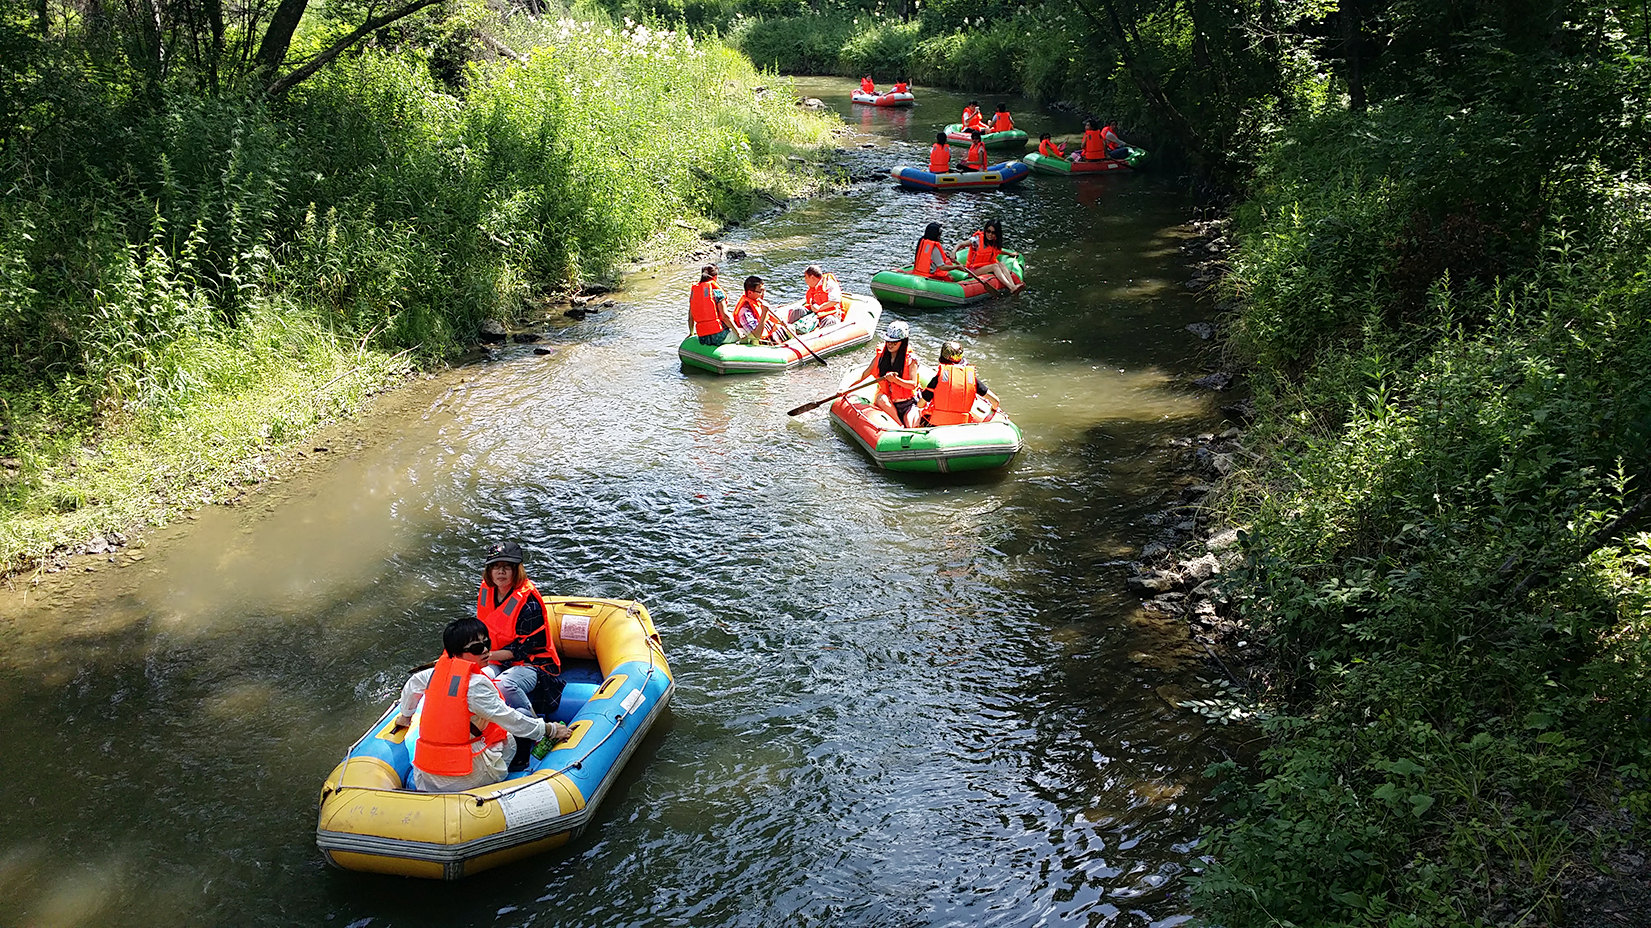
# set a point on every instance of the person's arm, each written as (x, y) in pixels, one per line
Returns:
(532, 631)
(486, 702)
(411, 692)
(928, 391)
(982, 390)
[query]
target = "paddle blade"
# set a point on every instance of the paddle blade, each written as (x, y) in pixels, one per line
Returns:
(807, 406)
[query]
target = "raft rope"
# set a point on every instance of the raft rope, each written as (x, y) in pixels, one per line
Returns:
(634, 611)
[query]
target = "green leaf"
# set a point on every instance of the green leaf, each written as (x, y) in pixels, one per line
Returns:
(1421, 802)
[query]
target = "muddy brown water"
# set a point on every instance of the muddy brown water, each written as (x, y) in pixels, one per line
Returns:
(901, 701)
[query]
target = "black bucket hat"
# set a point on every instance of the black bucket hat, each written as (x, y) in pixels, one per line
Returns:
(504, 552)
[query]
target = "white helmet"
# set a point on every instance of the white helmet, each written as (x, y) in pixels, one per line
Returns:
(897, 332)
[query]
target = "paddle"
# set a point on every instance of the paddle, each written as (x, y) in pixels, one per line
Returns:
(793, 336)
(818, 403)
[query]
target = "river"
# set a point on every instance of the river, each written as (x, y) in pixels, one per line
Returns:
(901, 701)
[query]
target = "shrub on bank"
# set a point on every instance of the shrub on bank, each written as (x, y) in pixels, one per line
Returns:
(149, 249)
(1447, 534)
(1009, 54)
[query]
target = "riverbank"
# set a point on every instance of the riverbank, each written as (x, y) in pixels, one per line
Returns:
(1431, 539)
(262, 271)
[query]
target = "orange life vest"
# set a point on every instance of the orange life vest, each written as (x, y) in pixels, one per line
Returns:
(1110, 139)
(931, 255)
(898, 393)
(980, 253)
(976, 158)
(901, 88)
(940, 158)
(501, 622)
(447, 738)
(702, 307)
(826, 297)
(971, 119)
(1094, 147)
(1001, 121)
(867, 85)
(748, 311)
(1050, 148)
(954, 395)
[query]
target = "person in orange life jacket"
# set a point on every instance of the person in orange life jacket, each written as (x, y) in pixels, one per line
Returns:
(708, 315)
(1094, 145)
(896, 373)
(464, 725)
(940, 155)
(949, 396)
(1115, 147)
(524, 659)
(985, 248)
(867, 85)
(755, 317)
(975, 158)
(1001, 122)
(824, 297)
(932, 259)
(901, 87)
(971, 117)
(1050, 148)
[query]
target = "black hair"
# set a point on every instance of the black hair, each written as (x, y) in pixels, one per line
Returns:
(895, 362)
(1089, 123)
(932, 232)
(940, 138)
(993, 225)
(753, 282)
(813, 270)
(974, 134)
(1003, 107)
(460, 632)
(1043, 137)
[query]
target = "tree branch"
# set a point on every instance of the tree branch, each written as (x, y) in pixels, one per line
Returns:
(303, 71)
(1600, 539)
(1144, 80)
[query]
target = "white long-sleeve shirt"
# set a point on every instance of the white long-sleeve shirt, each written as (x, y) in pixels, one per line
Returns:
(486, 705)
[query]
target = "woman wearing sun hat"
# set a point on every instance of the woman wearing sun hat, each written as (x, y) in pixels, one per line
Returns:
(896, 372)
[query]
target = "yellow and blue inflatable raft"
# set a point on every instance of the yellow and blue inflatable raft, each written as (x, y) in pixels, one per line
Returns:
(618, 685)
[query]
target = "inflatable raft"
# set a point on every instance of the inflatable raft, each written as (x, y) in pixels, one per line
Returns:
(857, 328)
(1044, 164)
(1012, 137)
(882, 99)
(618, 686)
(901, 287)
(982, 445)
(995, 176)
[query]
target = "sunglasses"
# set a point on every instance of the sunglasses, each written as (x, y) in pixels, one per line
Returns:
(478, 647)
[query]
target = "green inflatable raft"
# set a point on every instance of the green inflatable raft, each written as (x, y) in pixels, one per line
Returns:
(943, 449)
(900, 287)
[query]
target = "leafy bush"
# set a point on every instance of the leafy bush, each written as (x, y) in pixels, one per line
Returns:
(147, 242)
(1442, 539)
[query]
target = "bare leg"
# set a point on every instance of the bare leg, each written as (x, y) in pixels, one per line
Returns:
(886, 405)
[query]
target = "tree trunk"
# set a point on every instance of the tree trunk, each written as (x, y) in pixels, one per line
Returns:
(280, 87)
(272, 52)
(1148, 83)
(1352, 47)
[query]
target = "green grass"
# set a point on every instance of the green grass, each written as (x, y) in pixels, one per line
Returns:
(192, 283)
